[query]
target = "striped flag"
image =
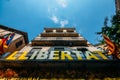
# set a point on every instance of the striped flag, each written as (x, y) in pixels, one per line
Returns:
(10, 37)
(111, 45)
(5, 41)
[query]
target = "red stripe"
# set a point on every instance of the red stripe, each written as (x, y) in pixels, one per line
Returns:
(106, 38)
(110, 44)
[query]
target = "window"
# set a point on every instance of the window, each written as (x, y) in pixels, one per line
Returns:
(59, 49)
(19, 43)
(70, 43)
(82, 49)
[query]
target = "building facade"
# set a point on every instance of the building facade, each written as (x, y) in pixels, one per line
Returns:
(55, 53)
(58, 41)
(17, 39)
(117, 3)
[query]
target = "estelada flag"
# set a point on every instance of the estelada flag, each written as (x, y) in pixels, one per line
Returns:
(10, 37)
(110, 44)
(5, 41)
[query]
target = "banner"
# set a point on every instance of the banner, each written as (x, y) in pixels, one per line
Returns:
(57, 55)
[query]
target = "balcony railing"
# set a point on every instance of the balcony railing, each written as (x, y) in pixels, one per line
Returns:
(58, 38)
(59, 43)
(51, 34)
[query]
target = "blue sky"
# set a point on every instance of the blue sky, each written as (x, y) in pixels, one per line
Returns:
(31, 16)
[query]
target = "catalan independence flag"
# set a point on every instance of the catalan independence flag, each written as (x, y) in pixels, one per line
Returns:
(110, 44)
(5, 41)
(10, 37)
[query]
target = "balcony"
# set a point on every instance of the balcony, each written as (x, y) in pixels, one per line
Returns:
(59, 42)
(58, 38)
(59, 34)
(59, 29)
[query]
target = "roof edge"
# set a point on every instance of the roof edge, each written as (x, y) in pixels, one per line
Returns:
(25, 34)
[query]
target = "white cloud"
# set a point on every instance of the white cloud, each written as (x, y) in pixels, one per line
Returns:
(63, 3)
(54, 19)
(63, 23)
